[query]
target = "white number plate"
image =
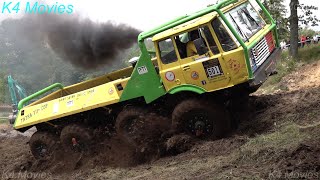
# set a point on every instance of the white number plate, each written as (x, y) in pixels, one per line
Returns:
(213, 71)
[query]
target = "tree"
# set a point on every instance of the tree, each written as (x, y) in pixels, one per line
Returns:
(307, 17)
(278, 11)
(294, 28)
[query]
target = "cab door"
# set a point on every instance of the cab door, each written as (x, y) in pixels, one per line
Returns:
(169, 66)
(207, 68)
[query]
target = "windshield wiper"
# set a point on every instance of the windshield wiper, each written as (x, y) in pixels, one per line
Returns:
(238, 27)
(250, 17)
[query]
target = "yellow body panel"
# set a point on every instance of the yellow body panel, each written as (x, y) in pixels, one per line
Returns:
(123, 73)
(88, 99)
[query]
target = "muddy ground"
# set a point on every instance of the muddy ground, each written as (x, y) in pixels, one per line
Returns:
(279, 140)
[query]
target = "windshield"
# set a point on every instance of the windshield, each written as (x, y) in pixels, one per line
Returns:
(245, 20)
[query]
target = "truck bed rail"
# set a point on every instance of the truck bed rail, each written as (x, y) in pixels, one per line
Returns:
(39, 93)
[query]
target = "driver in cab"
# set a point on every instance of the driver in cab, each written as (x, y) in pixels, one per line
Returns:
(191, 48)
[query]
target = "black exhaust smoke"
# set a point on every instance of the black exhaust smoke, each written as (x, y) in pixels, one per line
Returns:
(84, 43)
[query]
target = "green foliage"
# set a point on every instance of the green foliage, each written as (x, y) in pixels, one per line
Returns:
(307, 32)
(306, 17)
(284, 67)
(278, 11)
(309, 54)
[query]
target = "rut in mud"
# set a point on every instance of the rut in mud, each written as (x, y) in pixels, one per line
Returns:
(280, 139)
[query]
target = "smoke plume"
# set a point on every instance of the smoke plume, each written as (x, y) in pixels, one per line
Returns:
(84, 43)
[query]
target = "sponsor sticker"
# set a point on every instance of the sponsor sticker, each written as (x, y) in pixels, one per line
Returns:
(234, 65)
(195, 75)
(70, 103)
(170, 76)
(142, 70)
(111, 91)
(55, 108)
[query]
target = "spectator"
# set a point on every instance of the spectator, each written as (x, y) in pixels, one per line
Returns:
(303, 40)
(308, 41)
(315, 39)
(283, 44)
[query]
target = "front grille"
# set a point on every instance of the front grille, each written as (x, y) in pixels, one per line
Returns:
(262, 50)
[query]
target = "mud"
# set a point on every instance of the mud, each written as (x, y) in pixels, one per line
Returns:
(308, 155)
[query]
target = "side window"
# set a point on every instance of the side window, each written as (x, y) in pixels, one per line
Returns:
(205, 31)
(167, 53)
(196, 42)
(225, 40)
(150, 47)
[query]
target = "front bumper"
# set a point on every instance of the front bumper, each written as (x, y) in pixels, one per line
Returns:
(266, 69)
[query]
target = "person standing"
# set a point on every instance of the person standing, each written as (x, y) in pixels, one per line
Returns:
(303, 40)
(315, 39)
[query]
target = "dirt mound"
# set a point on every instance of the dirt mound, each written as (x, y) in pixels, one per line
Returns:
(7, 130)
(307, 77)
(304, 158)
(111, 152)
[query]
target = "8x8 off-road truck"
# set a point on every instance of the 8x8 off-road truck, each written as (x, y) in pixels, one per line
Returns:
(205, 65)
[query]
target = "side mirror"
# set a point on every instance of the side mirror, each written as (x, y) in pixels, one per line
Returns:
(200, 46)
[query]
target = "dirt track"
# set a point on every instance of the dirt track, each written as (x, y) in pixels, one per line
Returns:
(279, 141)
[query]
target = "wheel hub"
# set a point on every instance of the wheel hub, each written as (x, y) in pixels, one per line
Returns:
(42, 150)
(76, 145)
(200, 125)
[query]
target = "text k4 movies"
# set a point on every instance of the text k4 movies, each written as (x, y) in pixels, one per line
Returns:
(11, 7)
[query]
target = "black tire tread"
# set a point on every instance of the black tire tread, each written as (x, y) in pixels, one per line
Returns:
(222, 119)
(122, 121)
(72, 130)
(46, 138)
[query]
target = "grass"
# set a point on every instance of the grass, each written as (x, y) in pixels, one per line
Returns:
(287, 64)
(3, 120)
(309, 54)
(287, 137)
(4, 117)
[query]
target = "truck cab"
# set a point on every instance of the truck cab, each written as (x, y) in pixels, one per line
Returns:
(204, 54)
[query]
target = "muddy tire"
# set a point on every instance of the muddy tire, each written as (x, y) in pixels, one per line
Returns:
(43, 144)
(76, 138)
(201, 118)
(128, 122)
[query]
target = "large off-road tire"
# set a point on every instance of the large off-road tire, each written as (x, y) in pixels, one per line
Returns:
(76, 138)
(43, 144)
(201, 118)
(129, 123)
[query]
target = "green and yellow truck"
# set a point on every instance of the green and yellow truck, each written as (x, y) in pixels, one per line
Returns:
(204, 63)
